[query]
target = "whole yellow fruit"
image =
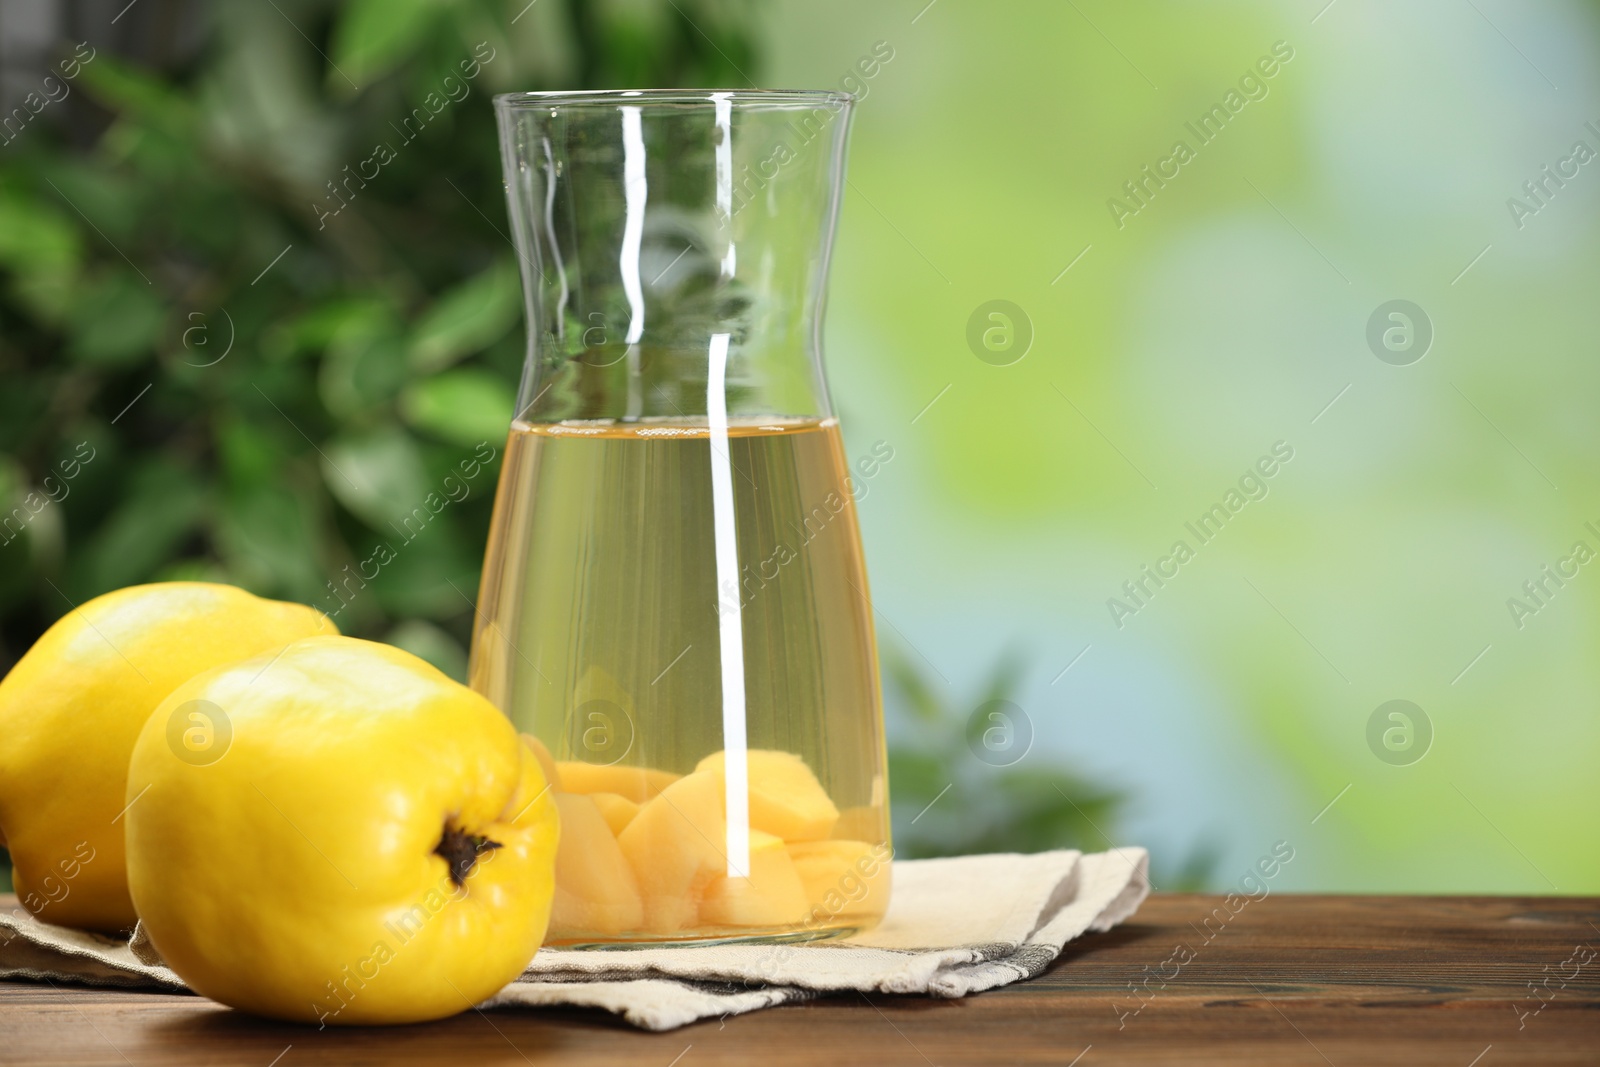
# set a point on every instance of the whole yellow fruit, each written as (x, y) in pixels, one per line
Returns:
(70, 711)
(377, 845)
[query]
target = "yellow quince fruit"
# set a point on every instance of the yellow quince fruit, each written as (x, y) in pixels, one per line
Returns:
(70, 711)
(376, 845)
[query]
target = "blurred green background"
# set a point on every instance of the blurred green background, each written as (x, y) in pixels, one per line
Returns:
(173, 303)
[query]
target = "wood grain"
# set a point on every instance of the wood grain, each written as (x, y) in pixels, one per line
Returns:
(1314, 980)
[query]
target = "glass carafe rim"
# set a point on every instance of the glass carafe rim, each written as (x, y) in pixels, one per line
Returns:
(744, 98)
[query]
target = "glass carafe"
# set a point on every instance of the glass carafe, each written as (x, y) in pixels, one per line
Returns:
(674, 603)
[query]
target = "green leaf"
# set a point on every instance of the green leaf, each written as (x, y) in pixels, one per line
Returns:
(160, 507)
(195, 570)
(41, 250)
(268, 536)
(317, 328)
(916, 777)
(30, 523)
(111, 203)
(373, 36)
(127, 90)
(433, 574)
(363, 365)
(13, 486)
(463, 406)
(118, 321)
(249, 455)
(345, 317)
(34, 236)
(467, 319)
(379, 476)
(361, 374)
(1042, 808)
(913, 686)
(1005, 677)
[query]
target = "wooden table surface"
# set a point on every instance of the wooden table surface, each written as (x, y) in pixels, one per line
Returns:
(1291, 979)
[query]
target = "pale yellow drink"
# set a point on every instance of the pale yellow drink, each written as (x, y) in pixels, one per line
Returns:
(603, 631)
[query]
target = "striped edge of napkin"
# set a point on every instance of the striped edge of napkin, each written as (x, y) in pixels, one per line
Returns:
(955, 926)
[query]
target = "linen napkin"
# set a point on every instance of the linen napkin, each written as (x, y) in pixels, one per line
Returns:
(955, 926)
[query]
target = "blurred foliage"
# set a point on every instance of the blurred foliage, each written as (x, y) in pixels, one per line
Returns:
(273, 340)
(948, 802)
(1189, 339)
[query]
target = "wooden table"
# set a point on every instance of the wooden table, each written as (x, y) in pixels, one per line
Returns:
(1314, 980)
